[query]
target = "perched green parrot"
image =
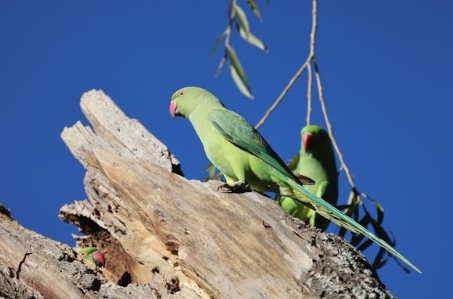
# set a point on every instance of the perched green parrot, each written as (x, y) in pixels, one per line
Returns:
(247, 161)
(92, 254)
(317, 161)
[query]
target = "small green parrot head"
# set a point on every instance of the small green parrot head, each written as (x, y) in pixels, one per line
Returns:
(186, 100)
(92, 254)
(314, 139)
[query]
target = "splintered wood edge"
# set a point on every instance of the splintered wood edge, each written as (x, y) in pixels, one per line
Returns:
(113, 129)
(126, 134)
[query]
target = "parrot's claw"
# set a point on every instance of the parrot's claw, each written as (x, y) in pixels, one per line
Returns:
(238, 187)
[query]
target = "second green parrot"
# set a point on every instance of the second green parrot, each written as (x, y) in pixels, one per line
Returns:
(92, 254)
(247, 161)
(316, 160)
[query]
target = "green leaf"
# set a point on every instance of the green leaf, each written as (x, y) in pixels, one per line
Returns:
(375, 202)
(237, 72)
(352, 202)
(378, 206)
(242, 19)
(220, 66)
(234, 61)
(252, 39)
(230, 11)
(239, 83)
(216, 44)
(364, 245)
(211, 170)
(380, 212)
(255, 9)
(213, 174)
(381, 259)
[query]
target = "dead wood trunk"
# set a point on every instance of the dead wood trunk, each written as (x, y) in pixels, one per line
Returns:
(168, 237)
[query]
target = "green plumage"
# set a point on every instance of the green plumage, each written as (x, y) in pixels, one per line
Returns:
(316, 160)
(245, 158)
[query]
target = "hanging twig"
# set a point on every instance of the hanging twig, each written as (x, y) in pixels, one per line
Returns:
(309, 91)
(283, 94)
(329, 125)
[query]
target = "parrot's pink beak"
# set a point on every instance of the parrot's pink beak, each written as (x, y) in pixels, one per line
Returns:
(173, 108)
(308, 140)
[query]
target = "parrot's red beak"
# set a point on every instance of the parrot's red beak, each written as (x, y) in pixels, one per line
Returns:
(308, 141)
(173, 109)
(99, 258)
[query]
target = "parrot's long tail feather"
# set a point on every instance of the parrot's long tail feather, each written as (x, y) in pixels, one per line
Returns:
(330, 212)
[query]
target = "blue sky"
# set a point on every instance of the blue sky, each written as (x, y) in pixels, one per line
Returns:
(386, 69)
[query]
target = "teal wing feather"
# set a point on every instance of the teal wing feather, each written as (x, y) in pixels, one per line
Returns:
(240, 132)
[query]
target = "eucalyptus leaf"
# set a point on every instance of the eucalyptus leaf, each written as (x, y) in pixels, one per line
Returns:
(255, 9)
(252, 39)
(239, 83)
(234, 61)
(216, 44)
(242, 19)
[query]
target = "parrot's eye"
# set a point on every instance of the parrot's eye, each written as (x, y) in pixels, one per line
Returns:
(182, 92)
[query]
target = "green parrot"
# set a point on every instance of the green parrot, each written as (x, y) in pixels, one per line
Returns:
(92, 254)
(317, 161)
(247, 161)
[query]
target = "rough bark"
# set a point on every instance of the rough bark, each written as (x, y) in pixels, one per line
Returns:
(168, 237)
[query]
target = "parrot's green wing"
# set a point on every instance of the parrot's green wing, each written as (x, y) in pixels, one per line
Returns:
(238, 131)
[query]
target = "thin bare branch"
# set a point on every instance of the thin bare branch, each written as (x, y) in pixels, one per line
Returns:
(305, 65)
(309, 91)
(283, 94)
(230, 24)
(314, 27)
(329, 125)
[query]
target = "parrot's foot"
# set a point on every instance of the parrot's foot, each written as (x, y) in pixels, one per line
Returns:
(238, 187)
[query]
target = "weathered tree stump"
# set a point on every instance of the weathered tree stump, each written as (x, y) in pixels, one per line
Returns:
(168, 237)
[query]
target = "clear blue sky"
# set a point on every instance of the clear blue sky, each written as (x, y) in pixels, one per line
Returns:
(386, 70)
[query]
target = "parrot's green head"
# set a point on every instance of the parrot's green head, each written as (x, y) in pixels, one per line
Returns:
(92, 254)
(185, 100)
(314, 139)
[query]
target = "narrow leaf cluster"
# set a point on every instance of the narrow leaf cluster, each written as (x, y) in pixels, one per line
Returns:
(238, 19)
